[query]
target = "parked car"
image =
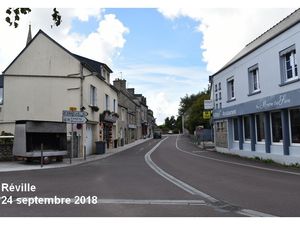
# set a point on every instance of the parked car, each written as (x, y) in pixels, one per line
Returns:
(157, 134)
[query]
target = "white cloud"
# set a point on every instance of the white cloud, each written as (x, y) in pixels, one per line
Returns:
(227, 31)
(163, 85)
(106, 41)
(102, 44)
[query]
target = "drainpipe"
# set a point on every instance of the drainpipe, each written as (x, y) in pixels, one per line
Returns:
(81, 86)
(81, 107)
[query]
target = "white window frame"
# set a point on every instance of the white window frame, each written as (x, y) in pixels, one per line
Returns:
(236, 141)
(272, 142)
(284, 75)
(252, 81)
(246, 140)
(107, 103)
(230, 89)
(290, 129)
(256, 134)
(93, 95)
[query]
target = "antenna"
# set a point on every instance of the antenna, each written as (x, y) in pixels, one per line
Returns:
(121, 75)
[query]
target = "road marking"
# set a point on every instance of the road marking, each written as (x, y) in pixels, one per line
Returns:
(235, 163)
(151, 202)
(212, 201)
(253, 213)
(172, 179)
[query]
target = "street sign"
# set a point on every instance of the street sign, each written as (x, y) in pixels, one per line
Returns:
(77, 117)
(72, 108)
(206, 115)
(208, 104)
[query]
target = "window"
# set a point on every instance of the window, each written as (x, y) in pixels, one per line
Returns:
(219, 86)
(230, 89)
(295, 125)
(260, 127)
(235, 130)
(216, 105)
(247, 135)
(288, 64)
(216, 97)
(253, 79)
(220, 96)
(114, 105)
(216, 87)
(107, 102)
(93, 96)
(123, 114)
(276, 127)
(220, 105)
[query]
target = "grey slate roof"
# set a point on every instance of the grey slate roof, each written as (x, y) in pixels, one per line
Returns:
(92, 65)
(270, 34)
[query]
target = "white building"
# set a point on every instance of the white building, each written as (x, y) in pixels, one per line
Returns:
(257, 96)
(45, 79)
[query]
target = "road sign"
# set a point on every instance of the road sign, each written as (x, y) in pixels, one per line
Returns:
(206, 115)
(208, 104)
(72, 108)
(77, 117)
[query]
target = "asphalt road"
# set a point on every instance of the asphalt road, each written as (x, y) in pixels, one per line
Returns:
(169, 177)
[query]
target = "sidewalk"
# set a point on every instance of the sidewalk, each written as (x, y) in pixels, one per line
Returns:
(22, 165)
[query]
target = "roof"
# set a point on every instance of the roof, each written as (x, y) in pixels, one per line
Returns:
(267, 36)
(92, 65)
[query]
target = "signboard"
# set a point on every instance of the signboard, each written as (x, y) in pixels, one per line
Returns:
(72, 108)
(208, 104)
(77, 117)
(206, 115)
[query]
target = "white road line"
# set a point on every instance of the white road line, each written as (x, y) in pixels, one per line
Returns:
(174, 180)
(151, 202)
(253, 213)
(235, 163)
(192, 190)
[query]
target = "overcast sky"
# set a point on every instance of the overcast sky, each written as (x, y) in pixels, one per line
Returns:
(164, 53)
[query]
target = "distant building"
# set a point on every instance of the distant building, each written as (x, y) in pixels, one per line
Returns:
(127, 111)
(256, 96)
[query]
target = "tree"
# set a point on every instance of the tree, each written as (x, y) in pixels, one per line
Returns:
(193, 107)
(13, 16)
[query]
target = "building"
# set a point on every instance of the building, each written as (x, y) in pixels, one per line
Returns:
(256, 97)
(127, 111)
(143, 114)
(151, 123)
(45, 79)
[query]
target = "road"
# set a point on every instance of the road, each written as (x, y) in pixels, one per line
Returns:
(169, 177)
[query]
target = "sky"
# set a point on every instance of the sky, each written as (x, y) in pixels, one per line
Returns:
(164, 52)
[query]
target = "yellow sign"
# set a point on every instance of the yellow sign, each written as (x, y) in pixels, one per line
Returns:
(206, 115)
(72, 108)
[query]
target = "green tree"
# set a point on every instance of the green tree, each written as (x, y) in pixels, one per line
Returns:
(13, 16)
(192, 107)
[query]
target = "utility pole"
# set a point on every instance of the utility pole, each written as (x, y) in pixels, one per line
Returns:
(182, 120)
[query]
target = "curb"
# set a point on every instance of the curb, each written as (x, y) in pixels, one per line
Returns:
(17, 166)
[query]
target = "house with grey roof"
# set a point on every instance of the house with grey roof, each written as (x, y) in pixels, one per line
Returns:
(256, 97)
(45, 78)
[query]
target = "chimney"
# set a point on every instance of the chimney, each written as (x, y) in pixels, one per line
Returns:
(130, 90)
(120, 84)
(29, 36)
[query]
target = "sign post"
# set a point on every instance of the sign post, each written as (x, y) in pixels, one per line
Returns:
(73, 117)
(208, 104)
(206, 115)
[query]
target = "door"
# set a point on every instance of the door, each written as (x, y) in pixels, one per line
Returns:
(89, 139)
